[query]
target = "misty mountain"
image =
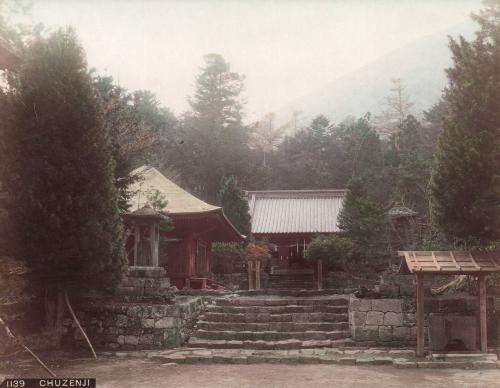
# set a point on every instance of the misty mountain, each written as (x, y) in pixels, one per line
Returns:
(420, 66)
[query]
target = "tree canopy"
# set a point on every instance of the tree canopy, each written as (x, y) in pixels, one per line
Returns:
(466, 174)
(57, 169)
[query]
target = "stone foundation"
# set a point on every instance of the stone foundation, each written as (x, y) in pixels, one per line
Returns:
(392, 322)
(129, 326)
(144, 281)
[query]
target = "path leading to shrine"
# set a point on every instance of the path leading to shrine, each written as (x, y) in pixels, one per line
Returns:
(133, 373)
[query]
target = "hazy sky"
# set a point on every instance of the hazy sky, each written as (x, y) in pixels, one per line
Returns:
(285, 49)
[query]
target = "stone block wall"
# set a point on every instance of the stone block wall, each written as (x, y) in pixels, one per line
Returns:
(144, 281)
(129, 326)
(392, 322)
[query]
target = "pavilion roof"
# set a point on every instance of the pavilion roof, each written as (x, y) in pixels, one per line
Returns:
(178, 200)
(183, 208)
(295, 211)
(450, 262)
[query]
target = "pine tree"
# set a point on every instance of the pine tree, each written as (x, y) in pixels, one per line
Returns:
(234, 205)
(57, 169)
(363, 221)
(466, 175)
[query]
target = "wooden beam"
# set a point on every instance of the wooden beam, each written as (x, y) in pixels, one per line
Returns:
(137, 236)
(250, 274)
(482, 313)
(319, 271)
(420, 315)
(257, 274)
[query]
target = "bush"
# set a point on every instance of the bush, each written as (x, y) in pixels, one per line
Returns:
(332, 249)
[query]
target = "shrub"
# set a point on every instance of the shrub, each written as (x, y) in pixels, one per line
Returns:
(332, 249)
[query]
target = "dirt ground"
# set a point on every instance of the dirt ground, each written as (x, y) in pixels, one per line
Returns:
(125, 373)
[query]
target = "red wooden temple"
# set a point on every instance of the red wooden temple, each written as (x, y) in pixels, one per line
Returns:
(196, 225)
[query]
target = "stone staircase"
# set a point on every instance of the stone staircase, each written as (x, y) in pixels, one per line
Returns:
(272, 322)
(291, 279)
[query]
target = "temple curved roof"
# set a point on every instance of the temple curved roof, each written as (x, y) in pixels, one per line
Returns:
(178, 199)
(189, 213)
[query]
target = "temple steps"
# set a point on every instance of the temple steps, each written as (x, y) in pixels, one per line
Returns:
(270, 345)
(229, 335)
(272, 326)
(273, 322)
(290, 281)
(260, 317)
(337, 300)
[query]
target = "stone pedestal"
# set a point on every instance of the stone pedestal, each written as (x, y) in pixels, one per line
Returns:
(144, 281)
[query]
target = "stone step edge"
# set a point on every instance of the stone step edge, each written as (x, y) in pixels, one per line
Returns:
(243, 324)
(288, 344)
(226, 357)
(295, 306)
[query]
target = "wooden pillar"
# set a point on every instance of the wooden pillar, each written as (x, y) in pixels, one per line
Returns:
(482, 314)
(420, 315)
(250, 274)
(257, 274)
(137, 236)
(153, 245)
(319, 274)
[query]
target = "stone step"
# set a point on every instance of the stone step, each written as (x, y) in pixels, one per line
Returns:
(330, 301)
(289, 309)
(195, 342)
(267, 317)
(272, 326)
(466, 356)
(282, 286)
(230, 335)
(296, 293)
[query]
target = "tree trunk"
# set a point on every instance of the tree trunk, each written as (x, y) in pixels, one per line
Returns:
(54, 312)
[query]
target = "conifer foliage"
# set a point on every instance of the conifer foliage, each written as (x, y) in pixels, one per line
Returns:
(57, 169)
(363, 221)
(466, 176)
(234, 205)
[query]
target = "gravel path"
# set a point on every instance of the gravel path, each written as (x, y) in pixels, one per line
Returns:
(133, 373)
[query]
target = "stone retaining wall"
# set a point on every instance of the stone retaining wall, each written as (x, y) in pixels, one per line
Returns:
(392, 322)
(129, 326)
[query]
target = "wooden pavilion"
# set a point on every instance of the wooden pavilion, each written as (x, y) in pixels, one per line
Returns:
(430, 263)
(196, 224)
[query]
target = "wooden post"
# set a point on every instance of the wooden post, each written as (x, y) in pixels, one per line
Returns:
(319, 284)
(153, 245)
(250, 275)
(482, 313)
(257, 274)
(137, 236)
(420, 315)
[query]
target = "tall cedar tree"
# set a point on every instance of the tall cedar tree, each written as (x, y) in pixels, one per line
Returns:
(234, 205)
(57, 169)
(466, 176)
(215, 143)
(363, 221)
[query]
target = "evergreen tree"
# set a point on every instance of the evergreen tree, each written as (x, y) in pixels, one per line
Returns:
(57, 170)
(215, 141)
(466, 176)
(141, 132)
(412, 168)
(234, 204)
(363, 221)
